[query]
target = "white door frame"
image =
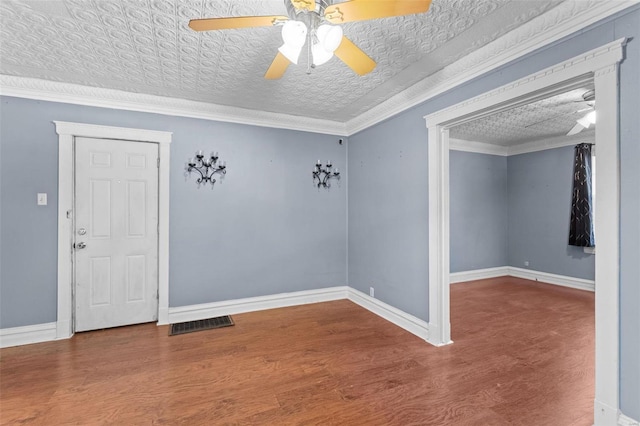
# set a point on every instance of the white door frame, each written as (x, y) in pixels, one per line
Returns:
(67, 133)
(601, 66)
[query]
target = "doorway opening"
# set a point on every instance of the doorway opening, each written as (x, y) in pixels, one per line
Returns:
(511, 187)
(600, 66)
(68, 134)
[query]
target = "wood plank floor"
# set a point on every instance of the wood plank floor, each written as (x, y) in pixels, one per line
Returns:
(523, 355)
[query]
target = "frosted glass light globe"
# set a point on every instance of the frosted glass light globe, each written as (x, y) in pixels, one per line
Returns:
(294, 33)
(329, 36)
(320, 56)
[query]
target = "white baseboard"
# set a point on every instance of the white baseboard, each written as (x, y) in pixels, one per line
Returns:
(478, 274)
(545, 277)
(402, 319)
(26, 335)
(163, 316)
(252, 304)
(46, 332)
(63, 329)
(627, 421)
(603, 414)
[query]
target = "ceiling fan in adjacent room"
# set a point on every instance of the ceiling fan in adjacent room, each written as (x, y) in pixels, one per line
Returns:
(316, 23)
(590, 117)
(587, 118)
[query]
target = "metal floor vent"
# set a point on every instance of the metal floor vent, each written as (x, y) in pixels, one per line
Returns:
(198, 325)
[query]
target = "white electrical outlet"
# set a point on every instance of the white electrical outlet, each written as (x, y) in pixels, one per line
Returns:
(42, 199)
(526, 263)
(371, 292)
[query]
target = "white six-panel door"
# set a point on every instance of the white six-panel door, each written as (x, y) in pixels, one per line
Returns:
(116, 233)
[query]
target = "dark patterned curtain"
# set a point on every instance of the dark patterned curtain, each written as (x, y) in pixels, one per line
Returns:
(581, 227)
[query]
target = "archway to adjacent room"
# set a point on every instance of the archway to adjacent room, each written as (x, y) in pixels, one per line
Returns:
(601, 66)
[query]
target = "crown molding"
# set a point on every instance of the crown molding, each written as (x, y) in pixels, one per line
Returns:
(563, 20)
(551, 143)
(478, 147)
(32, 88)
(525, 148)
(569, 17)
(547, 82)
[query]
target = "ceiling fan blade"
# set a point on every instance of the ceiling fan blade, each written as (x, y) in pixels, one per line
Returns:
(209, 24)
(576, 129)
(555, 117)
(309, 5)
(360, 10)
(277, 68)
(354, 57)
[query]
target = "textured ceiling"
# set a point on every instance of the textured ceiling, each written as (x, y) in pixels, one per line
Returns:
(145, 46)
(545, 119)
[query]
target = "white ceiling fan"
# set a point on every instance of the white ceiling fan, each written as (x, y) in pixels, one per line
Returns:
(585, 121)
(318, 24)
(589, 118)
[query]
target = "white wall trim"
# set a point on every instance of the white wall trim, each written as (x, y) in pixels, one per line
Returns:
(551, 26)
(627, 421)
(605, 412)
(33, 88)
(529, 274)
(601, 66)
(478, 147)
(252, 304)
(26, 335)
(607, 227)
(478, 274)
(551, 143)
(402, 319)
(547, 28)
(410, 323)
(47, 332)
(547, 278)
(67, 133)
(524, 148)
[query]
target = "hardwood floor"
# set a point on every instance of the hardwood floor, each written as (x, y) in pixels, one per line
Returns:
(523, 355)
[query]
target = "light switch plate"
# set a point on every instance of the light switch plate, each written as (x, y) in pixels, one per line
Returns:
(42, 199)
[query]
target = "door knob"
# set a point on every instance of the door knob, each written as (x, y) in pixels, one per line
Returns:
(80, 245)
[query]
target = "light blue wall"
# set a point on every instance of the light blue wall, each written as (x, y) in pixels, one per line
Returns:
(539, 205)
(508, 210)
(388, 212)
(381, 247)
(478, 210)
(257, 204)
(264, 230)
(383, 239)
(629, 26)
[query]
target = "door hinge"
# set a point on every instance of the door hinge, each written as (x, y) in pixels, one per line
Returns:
(158, 162)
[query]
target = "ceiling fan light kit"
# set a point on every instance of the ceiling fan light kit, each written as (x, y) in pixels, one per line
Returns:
(327, 40)
(294, 35)
(316, 23)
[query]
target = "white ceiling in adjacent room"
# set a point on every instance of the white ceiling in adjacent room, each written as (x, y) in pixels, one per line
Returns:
(548, 118)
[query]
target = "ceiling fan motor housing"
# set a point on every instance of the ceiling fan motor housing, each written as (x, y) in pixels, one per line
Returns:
(306, 7)
(309, 12)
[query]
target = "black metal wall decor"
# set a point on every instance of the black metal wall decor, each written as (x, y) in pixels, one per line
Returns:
(206, 167)
(322, 175)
